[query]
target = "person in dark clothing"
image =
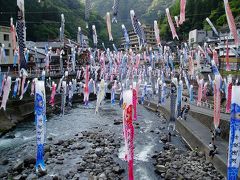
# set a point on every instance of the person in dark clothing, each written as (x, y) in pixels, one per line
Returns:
(213, 151)
(169, 137)
(182, 111)
(185, 113)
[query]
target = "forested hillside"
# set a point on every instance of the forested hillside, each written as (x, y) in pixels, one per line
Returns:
(43, 19)
(146, 10)
(196, 13)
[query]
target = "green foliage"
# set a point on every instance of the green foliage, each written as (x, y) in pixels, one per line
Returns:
(196, 13)
(43, 20)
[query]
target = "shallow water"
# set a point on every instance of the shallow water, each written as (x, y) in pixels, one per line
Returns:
(82, 118)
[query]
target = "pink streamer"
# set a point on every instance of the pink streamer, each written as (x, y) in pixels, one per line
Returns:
(200, 90)
(217, 101)
(52, 99)
(191, 66)
(173, 30)
(227, 58)
(205, 91)
(231, 23)
(3, 82)
(135, 104)
(229, 98)
(13, 33)
(129, 136)
(215, 57)
(182, 11)
(86, 91)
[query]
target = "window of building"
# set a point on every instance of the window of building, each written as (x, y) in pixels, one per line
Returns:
(7, 52)
(6, 37)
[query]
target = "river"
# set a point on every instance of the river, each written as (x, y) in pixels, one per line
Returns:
(148, 129)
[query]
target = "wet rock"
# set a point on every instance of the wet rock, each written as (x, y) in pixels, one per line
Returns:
(170, 174)
(31, 177)
(201, 154)
(99, 151)
(180, 177)
(55, 177)
(4, 162)
(49, 138)
(118, 170)
(4, 174)
(160, 169)
(10, 136)
(154, 156)
(102, 176)
(117, 122)
(80, 147)
(41, 172)
(157, 131)
(47, 148)
(18, 177)
(81, 168)
(166, 147)
(60, 158)
(29, 160)
(59, 142)
(59, 162)
(46, 156)
(18, 166)
(164, 138)
(53, 153)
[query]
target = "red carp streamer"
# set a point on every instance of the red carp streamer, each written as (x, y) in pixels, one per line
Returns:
(13, 34)
(170, 22)
(215, 57)
(229, 96)
(128, 131)
(231, 23)
(182, 11)
(227, 58)
(200, 90)
(86, 92)
(217, 100)
(205, 91)
(52, 98)
(135, 104)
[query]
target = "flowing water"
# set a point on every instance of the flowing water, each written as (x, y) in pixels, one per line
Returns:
(81, 118)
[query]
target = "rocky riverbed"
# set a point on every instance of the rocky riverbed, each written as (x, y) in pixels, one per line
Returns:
(86, 155)
(84, 145)
(174, 163)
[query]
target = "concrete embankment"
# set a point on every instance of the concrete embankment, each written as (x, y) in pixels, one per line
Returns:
(196, 131)
(20, 111)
